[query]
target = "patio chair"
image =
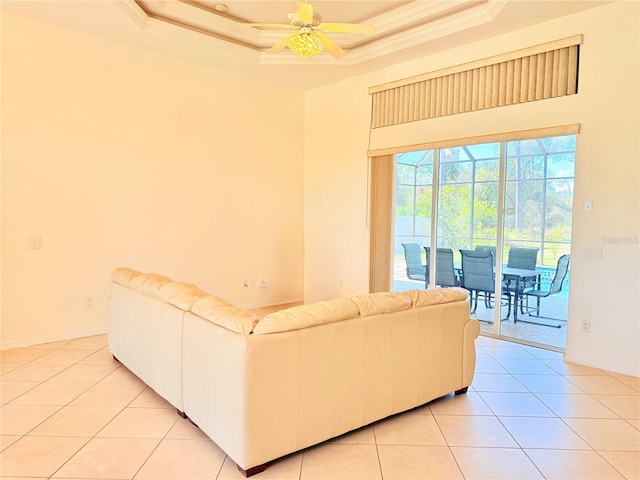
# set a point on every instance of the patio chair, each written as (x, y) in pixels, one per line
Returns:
(416, 270)
(487, 248)
(445, 271)
(554, 287)
(525, 258)
(478, 277)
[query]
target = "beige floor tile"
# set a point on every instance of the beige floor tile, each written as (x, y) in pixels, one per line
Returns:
(84, 373)
(635, 423)
(467, 404)
(401, 462)
(606, 434)
(286, 468)
(489, 365)
(364, 436)
(101, 357)
(108, 458)
(109, 395)
(140, 423)
(184, 429)
(575, 405)
(337, 461)
(6, 440)
(11, 390)
(536, 432)
(626, 406)
(122, 375)
(34, 372)
(627, 463)
(525, 366)
(598, 384)
(543, 354)
(63, 356)
(8, 367)
(516, 405)
(22, 355)
(148, 398)
(494, 464)
(51, 345)
(52, 393)
(38, 456)
(496, 382)
(547, 384)
(408, 430)
(183, 460)
(474, 431)
(572, 465)
(568, 368)
(76, 422)
(94, 342)
(21, 419)
(508, 351)
(633, 382)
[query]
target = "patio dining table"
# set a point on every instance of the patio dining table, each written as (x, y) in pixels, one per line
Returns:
(518, 275)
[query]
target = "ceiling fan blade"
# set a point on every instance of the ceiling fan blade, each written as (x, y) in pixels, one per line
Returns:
(281, 44)
(347, 27)
(331, 46)
(305, 12)
(271, 26)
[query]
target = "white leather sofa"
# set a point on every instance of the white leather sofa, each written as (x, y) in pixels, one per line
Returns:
(262, 388)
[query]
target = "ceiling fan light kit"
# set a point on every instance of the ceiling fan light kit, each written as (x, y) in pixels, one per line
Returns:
(305, 44)
(309, 39)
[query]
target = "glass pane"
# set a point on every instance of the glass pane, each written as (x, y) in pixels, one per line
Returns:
(412, 222)
(405, 174)
(487, 170)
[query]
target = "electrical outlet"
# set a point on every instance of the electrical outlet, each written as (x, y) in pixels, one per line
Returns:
(88, 302)
(586, 326)
(263, 284)
(34, 242)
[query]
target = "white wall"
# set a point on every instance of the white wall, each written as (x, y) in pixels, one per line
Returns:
(119, 156)
(605, 292)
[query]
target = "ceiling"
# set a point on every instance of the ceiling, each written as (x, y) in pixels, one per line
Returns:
(212, 32)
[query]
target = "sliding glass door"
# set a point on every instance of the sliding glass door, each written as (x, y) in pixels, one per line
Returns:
(448, 205)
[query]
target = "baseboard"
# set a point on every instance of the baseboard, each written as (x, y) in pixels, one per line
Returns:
(602, 365)
(57, 337)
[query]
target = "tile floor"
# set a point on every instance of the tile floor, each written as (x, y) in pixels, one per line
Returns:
(69, 411)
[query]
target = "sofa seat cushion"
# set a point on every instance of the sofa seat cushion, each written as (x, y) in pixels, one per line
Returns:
(381, 302)
(149, 283)
(434, 296)
(182, 295)
(304, 316)
(222, 313)
(124, 275)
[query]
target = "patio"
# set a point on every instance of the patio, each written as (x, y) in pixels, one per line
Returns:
(554, 306)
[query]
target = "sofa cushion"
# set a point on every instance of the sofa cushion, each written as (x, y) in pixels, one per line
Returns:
(433, 296)
(182, 295)
(304, 316)
(381, 302)
(149, 283)
(221, 312)
(124, 275)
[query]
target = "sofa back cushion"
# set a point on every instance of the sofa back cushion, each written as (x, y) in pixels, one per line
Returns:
(381, 302)
(182, 295)
(222, 313)
(434, 296)
(304, 316)
(149, 283)
(123, 276)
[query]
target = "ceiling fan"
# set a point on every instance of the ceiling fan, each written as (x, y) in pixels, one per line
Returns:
(309, 38)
